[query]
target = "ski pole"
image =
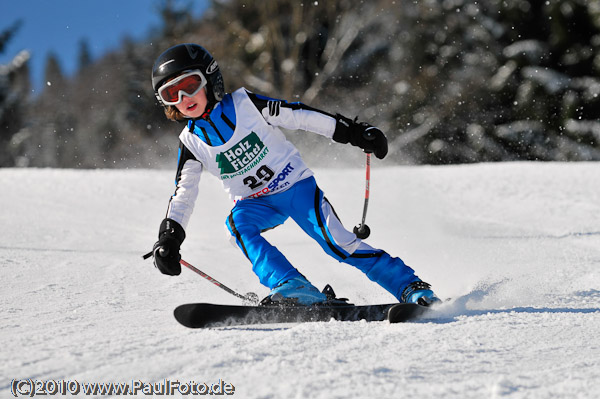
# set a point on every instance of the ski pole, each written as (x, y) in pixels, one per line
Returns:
(363, 231)
(250, 297)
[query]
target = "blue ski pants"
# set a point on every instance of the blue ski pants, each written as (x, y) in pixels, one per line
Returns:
(307, 206)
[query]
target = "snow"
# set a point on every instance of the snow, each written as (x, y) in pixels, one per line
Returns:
(515, 245)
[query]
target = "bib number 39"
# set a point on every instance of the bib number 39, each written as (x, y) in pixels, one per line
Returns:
(263, 175)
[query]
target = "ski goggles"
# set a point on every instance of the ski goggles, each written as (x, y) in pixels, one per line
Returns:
(189, 84)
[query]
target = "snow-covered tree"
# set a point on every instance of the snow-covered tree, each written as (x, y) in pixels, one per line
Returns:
(14, 94)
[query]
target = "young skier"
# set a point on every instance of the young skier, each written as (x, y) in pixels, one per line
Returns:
(236, 137)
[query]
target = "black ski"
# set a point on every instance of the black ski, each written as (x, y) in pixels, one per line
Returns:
(202, 315)
(402, 312)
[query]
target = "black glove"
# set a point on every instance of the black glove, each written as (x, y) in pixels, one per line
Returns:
(360, 134)
(166, 250)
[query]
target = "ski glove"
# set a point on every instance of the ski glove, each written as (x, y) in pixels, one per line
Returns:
(360, 134)
(166, 249)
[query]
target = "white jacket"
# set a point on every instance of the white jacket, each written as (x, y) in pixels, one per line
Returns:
(240, 143)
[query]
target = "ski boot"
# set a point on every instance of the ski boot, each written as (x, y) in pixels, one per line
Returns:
(295, 291)
(419, 292)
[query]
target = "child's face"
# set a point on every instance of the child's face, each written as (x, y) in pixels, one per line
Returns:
(193, 107)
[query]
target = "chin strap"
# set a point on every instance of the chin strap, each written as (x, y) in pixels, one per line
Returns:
(207, 112)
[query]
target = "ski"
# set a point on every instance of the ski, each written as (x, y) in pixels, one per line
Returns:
(402, 312)
(203, 315)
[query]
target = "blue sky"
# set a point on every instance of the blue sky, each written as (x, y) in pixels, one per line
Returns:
(59, 25)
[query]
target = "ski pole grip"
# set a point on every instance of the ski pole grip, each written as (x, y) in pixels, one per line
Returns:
(368, 134)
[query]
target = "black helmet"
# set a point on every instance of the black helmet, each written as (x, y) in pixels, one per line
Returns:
(185, 57)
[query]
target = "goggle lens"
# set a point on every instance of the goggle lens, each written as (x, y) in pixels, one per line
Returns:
(189, 84)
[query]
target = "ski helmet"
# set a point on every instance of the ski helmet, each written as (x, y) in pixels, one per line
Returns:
(186, 57)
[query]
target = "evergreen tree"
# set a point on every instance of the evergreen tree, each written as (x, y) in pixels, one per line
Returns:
(500, 80)
(85, 56)
(54, 119)
(14, 94)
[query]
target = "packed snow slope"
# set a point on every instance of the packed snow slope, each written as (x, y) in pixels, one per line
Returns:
(515, 245)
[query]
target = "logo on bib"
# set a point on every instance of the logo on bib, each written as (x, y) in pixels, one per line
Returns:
(242, 156)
